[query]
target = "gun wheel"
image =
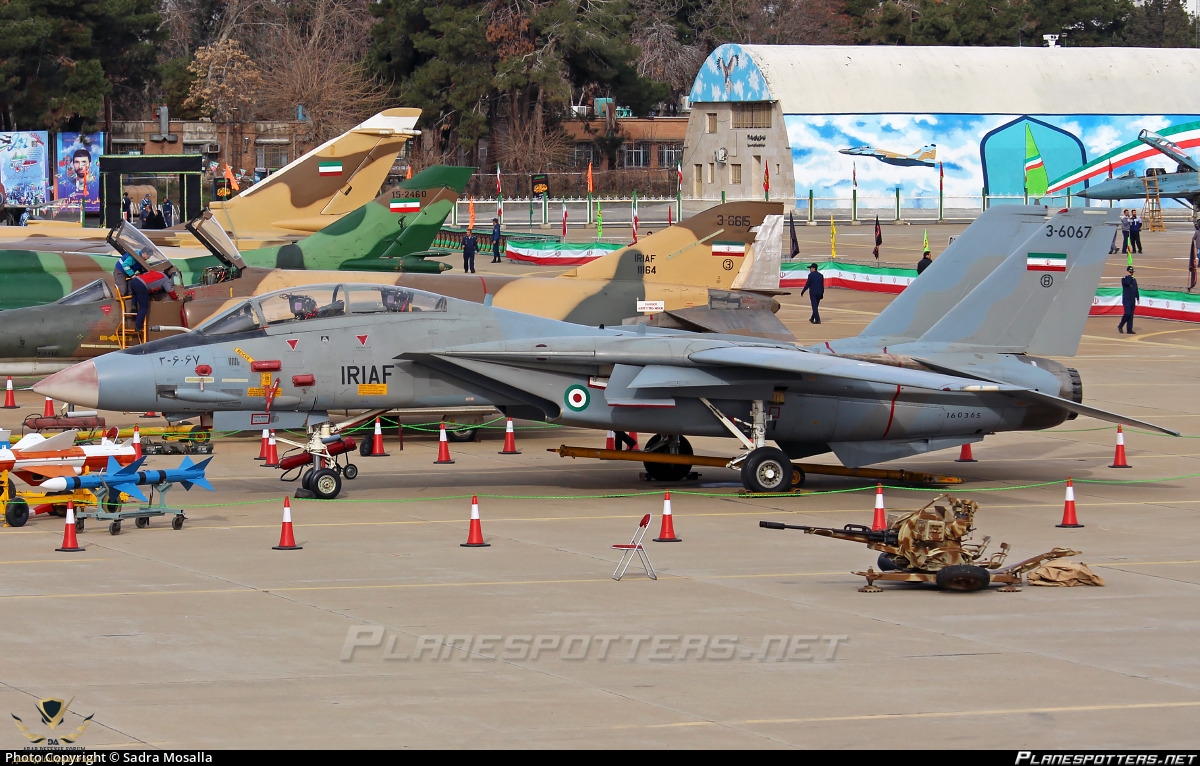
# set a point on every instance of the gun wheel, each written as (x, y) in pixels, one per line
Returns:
(963, 578)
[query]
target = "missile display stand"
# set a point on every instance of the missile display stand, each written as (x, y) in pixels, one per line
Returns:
(110, 509)
(20, 504)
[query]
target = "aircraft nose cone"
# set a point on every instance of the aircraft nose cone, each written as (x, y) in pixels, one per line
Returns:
(77, 385)
(1085, 194)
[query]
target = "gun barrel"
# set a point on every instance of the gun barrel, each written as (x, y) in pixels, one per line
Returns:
(854, 532)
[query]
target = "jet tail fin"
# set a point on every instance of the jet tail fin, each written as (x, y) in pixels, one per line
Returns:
(709, 249)
(337, 177)
(969, 259)
(926, 153)
(1038, 298)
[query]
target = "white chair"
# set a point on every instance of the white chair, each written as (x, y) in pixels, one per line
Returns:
(634, 549)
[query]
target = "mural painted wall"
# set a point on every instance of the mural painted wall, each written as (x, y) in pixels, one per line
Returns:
(77, 175)
(973, 152)
(729, 74)
(24, 167)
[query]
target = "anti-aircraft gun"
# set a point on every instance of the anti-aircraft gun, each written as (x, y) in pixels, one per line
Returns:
(932, 545)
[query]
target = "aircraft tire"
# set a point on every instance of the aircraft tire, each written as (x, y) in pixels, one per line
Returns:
(767, 469)
(16, 513)
(306, 478)
(963, 578)
(350, 471)
(325, 484)
(465, 434)
(667, 471)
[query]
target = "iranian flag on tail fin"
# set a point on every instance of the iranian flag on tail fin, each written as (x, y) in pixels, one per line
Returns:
(1036, 180)
(329, 168)
(726, 249)
(404, 206)
(1046, 262)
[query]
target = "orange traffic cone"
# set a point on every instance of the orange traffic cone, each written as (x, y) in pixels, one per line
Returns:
(262, 448)
(287, 541)
(137, 443)
(610, 441)
(377, 442)
(880, 521)
(443, 457)
(965, 456)
(475, 533)
(666, 533)
(272, 452)
(1119, 459)
(10, 401)
(48, 408)
(149, 415)
(510, 440)
(69, 543)
(1069, 521)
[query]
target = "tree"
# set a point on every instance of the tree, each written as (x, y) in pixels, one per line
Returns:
(1159, 24)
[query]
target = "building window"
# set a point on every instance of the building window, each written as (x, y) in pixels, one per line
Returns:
(712, 173)
(710, 123)
(272, 157)
(634, 155)
(583, 154)
(669, 155)
(735, 175)
(755, 114)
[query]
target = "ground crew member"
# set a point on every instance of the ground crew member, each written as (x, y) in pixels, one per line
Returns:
(923, 263)
(470, 245)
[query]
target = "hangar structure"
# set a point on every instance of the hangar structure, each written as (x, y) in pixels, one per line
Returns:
(974, 125)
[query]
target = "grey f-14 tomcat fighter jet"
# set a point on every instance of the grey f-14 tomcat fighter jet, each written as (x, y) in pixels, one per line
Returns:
(952, 359)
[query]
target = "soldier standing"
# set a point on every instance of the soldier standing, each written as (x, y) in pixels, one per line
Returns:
(470, 245)
(495, 240)
(1129, 300)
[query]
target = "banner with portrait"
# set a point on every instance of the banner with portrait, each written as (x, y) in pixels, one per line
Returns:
(77, 172)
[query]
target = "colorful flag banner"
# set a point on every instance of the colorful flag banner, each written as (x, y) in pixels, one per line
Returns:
(233, 180)
(727, 249)
(925, 243)
(589, 177)
(471, 213)
(329, 168)
(635, 217)
(854, 173)
(599, 221)
(564, 218)
(767, 183)
(1046, 262)
(404, 206)
(832, 238)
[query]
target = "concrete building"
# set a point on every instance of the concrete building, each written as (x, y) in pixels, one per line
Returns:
(934, 125)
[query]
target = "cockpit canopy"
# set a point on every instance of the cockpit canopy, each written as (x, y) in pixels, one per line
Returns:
(319, 302)
(93, 292)
(130, 240)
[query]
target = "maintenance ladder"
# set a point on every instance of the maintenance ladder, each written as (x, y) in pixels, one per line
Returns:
(1152, 218)
(127, 334)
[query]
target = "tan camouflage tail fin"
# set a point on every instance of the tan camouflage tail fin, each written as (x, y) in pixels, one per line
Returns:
(709, 249)
(337, 177)
(928, 153)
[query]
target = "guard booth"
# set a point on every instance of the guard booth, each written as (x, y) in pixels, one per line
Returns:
(113, 166)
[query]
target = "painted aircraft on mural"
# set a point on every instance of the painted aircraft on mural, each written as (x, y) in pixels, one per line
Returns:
(1183, 185)
(926, 156)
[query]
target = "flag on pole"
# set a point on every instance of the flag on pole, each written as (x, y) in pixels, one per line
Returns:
(832, 237)
(925, 244)
(408, 175)
(635, 217)
(471, 213)
(499, 196)
(1110, 168)
(1129, 259)
(679, 174)
(564, 219)
(854, 173)
(795, 242)
(1036, 180)
(878, 238)
(670, 209)
(231, 179)
(599, 221)
(767, 183)
(941, 177)
(589, 177)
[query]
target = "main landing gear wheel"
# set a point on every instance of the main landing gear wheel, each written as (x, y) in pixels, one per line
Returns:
(325, 484)
(667, 471)
(963, 577)
(306, 478)
(460, 434)
(767, 469)
(16, 513)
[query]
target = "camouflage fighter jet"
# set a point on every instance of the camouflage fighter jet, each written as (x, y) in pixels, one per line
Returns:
(288, 358)
(716, 271)
(926, 156)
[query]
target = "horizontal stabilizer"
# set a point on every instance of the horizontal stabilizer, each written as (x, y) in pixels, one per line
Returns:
(1096, 412)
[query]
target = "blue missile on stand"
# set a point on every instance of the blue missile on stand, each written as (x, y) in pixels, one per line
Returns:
(127, 479)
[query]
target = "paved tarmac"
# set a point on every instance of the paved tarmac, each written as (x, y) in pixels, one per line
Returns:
(208, 638)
